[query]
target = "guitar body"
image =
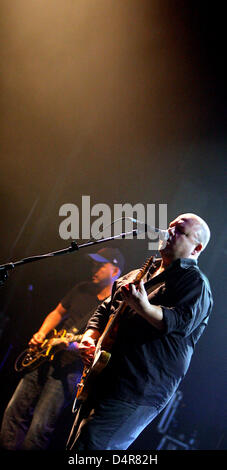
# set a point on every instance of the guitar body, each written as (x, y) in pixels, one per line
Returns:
(101, 358)
(89, 375)
(33, 357)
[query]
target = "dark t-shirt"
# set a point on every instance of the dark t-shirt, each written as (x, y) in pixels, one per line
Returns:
(147, 365)
(80, 303)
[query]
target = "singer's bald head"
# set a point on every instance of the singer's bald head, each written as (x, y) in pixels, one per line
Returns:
(201, 229)
(188, 237)
(198, 228)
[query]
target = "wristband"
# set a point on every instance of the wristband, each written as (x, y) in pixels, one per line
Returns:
(73, 346)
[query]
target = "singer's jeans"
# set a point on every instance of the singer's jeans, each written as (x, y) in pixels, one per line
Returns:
(113, 425)
(32, 413)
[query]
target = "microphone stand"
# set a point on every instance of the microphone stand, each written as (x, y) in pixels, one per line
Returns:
(4, 268)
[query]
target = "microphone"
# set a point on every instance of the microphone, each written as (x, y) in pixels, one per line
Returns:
(144, 228)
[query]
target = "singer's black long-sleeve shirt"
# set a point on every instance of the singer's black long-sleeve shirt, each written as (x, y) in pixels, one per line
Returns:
(147, 365)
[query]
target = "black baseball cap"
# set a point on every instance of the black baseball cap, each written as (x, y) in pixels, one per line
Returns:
(109, 255)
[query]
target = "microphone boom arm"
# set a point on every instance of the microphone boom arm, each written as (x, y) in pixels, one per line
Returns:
(4, 268)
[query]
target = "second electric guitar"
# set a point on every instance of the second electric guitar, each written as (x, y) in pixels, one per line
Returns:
(33, 357)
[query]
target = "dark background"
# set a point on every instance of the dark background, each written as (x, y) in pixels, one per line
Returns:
(125, 101)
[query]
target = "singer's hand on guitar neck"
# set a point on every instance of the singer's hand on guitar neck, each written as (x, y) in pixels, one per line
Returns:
(136, 298)
(87, 346)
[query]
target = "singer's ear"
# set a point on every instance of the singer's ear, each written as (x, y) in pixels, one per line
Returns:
(197, 250)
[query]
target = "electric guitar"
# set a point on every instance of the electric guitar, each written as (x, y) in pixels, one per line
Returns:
(105, 343)
(34, 356)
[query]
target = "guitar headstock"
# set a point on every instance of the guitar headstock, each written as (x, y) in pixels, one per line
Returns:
(144, 269)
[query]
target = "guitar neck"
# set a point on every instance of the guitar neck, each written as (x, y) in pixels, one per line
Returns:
(74, 338)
